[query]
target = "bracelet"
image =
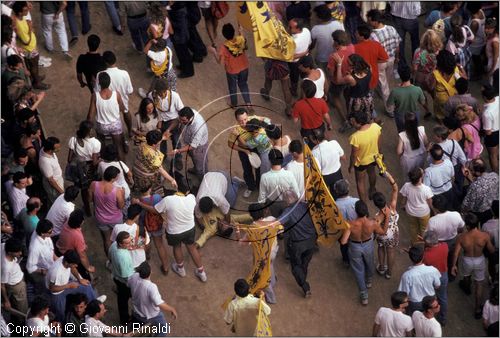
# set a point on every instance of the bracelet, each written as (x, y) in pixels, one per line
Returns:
(339, 64)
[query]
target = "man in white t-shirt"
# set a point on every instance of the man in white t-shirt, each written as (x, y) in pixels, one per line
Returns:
(95, 311)
(53, 181)
(14, 293)
(296, 166)
(446, 224)
(147, 301)
(120, 82)
(63, 279)
(302, 37)
(277, 180)
(491, 123)
(178, 210)
(41, 255)
(60, 210)
(393, 322)
(322, 35)
(328, 155)
(424, 322)
(138, 241)
(38, 321)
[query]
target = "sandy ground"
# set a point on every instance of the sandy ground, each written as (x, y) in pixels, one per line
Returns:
(334, 308)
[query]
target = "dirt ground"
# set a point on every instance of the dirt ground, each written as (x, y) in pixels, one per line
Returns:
(334, 308)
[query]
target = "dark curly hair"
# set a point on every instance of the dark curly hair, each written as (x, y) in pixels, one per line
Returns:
(446, 62)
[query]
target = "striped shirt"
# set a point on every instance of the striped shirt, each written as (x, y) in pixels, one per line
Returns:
(405, 9)
(388, 37)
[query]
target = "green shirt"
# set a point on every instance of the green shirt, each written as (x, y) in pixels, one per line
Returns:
(29, 221)
(121, 261)
(405, 99)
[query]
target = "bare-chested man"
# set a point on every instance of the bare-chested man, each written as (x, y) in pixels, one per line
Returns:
(360, 236)
(473, 243)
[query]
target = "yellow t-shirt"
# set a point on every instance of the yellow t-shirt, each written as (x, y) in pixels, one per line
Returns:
(367, 143)
(23, 34)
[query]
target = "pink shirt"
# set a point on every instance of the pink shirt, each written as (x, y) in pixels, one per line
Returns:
(71, 239)
(475, 148)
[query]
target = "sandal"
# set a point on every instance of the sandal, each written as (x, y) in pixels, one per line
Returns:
(381, 269)
(388, 274)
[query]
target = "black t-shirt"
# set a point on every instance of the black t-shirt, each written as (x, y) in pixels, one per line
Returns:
(90, 64)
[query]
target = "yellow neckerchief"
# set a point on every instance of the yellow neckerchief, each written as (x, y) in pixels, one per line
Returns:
(179, 194)
(450, 89)
(159, 70)
(157, 97)
(237, 46)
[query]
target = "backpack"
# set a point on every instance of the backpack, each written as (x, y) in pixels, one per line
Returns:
(152, 222)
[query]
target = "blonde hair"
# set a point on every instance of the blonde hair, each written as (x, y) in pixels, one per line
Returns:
(469, 113)
(431, 41)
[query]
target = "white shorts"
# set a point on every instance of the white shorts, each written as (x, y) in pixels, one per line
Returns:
(474, 266)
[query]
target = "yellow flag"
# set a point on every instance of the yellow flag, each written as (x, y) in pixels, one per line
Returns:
(324, 212)
(263, 328)
(262, 239)
(271, 38)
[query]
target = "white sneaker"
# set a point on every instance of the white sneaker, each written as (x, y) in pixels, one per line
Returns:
(44, 64)
(247, 193)
(108, 265)
(142, 93)
(201, 275)
(180, 271)
(102, 298)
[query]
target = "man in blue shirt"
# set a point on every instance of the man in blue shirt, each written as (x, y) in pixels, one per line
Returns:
(345, 203)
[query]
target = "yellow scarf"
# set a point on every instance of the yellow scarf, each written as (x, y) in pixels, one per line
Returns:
(157, 97)
(237, 46)
(159, 70)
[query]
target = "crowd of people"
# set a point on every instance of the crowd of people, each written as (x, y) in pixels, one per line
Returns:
(348, 56)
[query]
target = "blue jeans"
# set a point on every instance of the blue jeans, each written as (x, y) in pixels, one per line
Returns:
(240, 80)
(84, 11)
(138, 28)
(442, 296)
(111, 8)
(58, 302)
(361, 259)
(404, 26)
(232, 189)
(159, 321)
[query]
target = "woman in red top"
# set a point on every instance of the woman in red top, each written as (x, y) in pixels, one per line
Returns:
(232, 54)
(312, 112)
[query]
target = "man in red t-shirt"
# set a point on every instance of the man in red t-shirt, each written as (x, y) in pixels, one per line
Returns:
(312, 112)
(436, 255)
(371, 51)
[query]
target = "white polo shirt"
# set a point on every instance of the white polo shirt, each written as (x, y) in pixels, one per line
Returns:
(327, 155)
(138, 255)
(446, 225)
(179, 212)
(145, 296)
(392, 323)
(11, 271)
(59, 213)
(58, 275)
(41, 253)
(213, 185)
(50, 167)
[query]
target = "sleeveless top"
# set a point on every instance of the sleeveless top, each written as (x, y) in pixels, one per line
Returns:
(108, 111)
(475, 148)
(362, 87)
(408, 152)
(106, 208)
(320, 85)
(284, 148)
(480, 37)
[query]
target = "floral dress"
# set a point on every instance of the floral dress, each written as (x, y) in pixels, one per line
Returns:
(391, 238)
(147, 163)
(424, 64)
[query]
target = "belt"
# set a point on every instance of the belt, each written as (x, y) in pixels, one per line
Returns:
(360, 242)
(136, 16)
